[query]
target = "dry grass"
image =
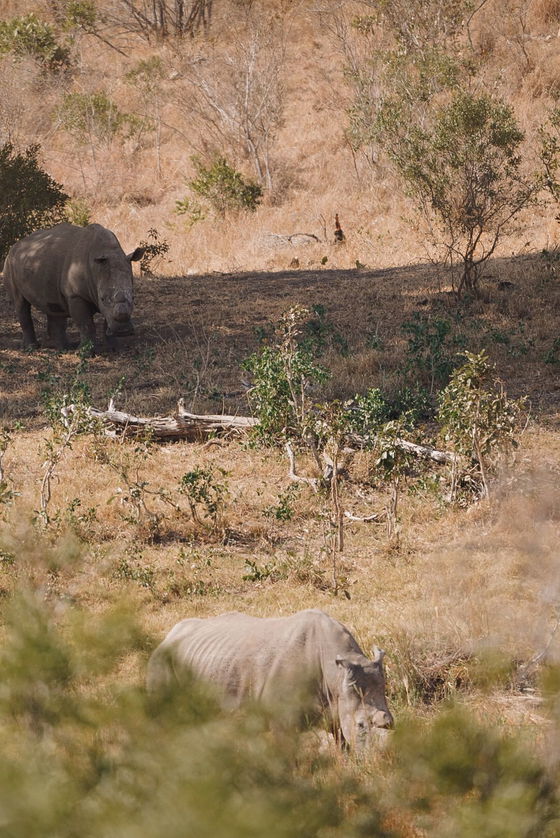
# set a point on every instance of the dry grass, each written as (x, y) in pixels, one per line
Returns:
(461, 581)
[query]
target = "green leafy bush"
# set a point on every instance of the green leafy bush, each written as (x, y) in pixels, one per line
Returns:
(464, 173)
(191, 210)
(205, 494)
(476, 416)
(94, 116)
(29, 199)
(78, 14)
(30, 36)
(78, 212)
(366, 413)
(154, 249)
(224, 188)
(282, 376)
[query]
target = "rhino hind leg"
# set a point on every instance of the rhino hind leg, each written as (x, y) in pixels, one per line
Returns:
(56, 329)
(23, 311)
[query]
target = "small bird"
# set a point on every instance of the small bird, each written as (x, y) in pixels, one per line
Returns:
(339, 236)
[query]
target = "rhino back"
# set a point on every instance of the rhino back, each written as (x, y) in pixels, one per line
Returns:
(41, 265)
(260, 658)
(50, 266)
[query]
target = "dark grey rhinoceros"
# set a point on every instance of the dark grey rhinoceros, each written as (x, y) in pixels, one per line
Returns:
(281, 661)
(69, 271)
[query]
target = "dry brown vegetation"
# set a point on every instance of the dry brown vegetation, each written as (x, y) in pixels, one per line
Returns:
(463, 583)
(461, 579)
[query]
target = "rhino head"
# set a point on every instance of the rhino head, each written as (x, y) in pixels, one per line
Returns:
(362, 707)
(112, 277)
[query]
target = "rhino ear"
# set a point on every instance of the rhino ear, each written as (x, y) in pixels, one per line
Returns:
(377, 654)
(136, 255)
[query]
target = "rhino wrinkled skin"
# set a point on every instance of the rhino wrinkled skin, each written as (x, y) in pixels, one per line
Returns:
(69, 271)
(277, 661)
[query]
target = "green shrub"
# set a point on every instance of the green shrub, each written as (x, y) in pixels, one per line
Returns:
(476, 416)
(366, 413)
(30, 36)
(464, 172)
(29, 199)
(205, 494)
(191, 210)
(78, 14)
(284, 509)
(94, 116)
(78, 212)
(154, 249)
(224, 188)
(282, 376)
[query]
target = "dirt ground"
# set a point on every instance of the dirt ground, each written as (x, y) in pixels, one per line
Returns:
(193, 333)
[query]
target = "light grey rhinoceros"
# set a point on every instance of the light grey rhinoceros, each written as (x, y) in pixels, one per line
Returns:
(69, 271)
(279, 660)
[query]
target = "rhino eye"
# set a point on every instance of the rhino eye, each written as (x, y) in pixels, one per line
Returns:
(100, 259)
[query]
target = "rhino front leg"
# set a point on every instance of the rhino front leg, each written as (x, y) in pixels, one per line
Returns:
(56, 328)
(110, 339)
(82, 313)
(23, 312)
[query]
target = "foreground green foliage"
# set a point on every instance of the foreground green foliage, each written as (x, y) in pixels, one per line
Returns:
(83, 758)
(86, 751)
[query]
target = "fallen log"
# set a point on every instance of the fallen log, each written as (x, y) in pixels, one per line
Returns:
(181, 425)
(195, 426)
(425, 451)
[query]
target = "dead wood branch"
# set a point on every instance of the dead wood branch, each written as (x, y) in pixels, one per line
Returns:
(425, 451)
(182, 425)
(366, 519)
(194, 426)
(293, 475)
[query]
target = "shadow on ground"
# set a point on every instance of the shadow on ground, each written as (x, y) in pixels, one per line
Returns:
(192, 334)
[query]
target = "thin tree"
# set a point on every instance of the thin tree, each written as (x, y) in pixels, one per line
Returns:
(236, 95)
(465, 175)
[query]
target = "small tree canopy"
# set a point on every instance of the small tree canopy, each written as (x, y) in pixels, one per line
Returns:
(464, 172)
(29, 198)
